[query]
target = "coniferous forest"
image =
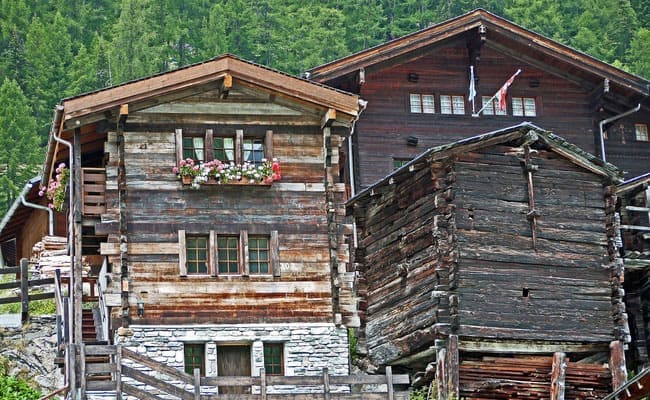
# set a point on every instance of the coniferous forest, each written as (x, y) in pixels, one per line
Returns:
(52, 49)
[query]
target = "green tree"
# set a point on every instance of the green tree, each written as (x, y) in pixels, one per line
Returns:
(365, 24)
(14, 20)
(20, 152)
(639, 53)
(136, 50)
(48, 54)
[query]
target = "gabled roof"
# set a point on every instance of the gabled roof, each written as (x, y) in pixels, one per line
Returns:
(215, 74)
(511, 134)
(500, 33)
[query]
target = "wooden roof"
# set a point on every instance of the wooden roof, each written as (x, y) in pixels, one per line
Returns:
(511, 134)
(501, 34)
(221, 72)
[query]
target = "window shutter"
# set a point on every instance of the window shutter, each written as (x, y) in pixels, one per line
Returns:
(274, 250)
(179, 146)
(209, 145)
(212, 254)
(182, 254)
(243, 252)
(268, 145)
(239, 146)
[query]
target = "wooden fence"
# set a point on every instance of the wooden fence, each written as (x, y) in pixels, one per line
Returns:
(95, 377)
(24, 283)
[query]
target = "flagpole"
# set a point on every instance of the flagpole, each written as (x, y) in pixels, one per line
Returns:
(496, 94)
(472, 88)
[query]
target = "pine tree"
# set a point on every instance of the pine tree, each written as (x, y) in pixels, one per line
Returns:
(20, 152)
(639, 53)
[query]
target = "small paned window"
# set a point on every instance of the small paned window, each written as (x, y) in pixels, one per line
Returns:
(194, 357)
(491, 106)
(400, 162)
(523, 106)
(258, 255)
(228, 250)
(197, 254)
(254, 151)
(452, 104)
(224, 148)
(416, 103)
(273, 358)
(641, 132)
(193, 147)
(422, 103)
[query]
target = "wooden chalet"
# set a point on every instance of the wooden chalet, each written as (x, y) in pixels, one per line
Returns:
(417, 93)
(223, 275)
(494, 260)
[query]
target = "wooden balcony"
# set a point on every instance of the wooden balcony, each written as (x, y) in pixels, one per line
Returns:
(93, 191)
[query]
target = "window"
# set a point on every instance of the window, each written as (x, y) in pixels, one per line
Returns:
(229, 254)
(254, 151)
(491, 107)
(194, 357)
(193, 148)
(197, 254)
(400, 162)
(523, 106)
(228, 251)
(273, 358)
(422, 103)
(452, 104)
(641, 132)
(258, 255)
(224, 146)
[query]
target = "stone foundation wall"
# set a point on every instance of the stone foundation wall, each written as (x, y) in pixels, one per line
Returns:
(308, 348)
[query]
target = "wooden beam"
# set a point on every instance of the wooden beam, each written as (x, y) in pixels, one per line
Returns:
(226, 85)
(328, 119)
(558, 373)
(617, 364)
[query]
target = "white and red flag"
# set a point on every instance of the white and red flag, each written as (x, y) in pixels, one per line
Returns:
(503, 92)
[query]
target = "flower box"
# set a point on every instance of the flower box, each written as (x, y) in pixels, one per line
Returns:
(219, 173)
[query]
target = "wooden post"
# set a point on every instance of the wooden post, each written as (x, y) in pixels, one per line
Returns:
(389, 382)
(71, 368)
(77, 272)
(326, 384)
(558, 373)
(441, 373)
(617, 364)
(82, 369)
(197, 384)
(263, 383)
(24, 290)
(118, 372)
(453, 364)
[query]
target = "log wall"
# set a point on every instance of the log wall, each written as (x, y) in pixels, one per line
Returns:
(506, 288)
(159, 206)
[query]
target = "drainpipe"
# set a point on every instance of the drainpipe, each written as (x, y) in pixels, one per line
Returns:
(58, 117)
(363, 104)
(28, 186)
(602, 123)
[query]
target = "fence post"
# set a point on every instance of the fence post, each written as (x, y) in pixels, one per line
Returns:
(118, 372)
(197, 384)
(326, 384)
(82, 369)
(389, 382)
(263, 383)
(24, 290)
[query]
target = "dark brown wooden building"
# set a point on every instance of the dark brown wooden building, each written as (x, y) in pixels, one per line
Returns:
(417, 89)
(228, 274)
(495, 257)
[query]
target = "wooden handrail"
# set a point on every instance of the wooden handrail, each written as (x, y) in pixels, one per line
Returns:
(63, 390)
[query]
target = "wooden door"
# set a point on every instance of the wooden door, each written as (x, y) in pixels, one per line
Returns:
(234, 361)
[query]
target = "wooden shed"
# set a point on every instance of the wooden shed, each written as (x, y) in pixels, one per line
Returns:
(494, 260)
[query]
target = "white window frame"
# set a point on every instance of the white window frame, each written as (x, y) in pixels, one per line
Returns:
(452, 104)
(641, 132)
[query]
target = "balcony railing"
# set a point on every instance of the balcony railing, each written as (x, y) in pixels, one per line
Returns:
(93, 191)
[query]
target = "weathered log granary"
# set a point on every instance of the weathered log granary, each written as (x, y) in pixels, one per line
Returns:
(495, 256)
(240, 267)
(418, 92)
